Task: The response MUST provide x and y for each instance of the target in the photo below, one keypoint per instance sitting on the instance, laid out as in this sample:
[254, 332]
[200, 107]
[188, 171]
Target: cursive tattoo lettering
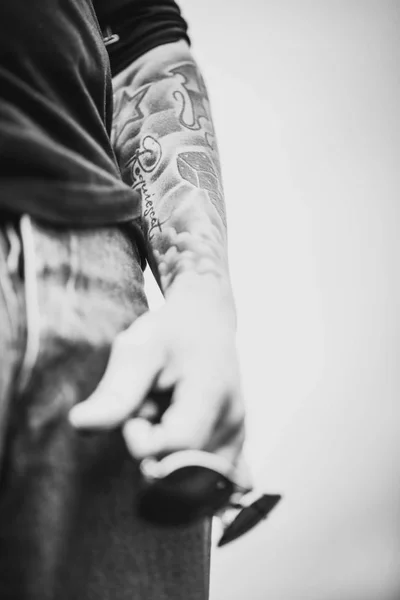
[144, 161]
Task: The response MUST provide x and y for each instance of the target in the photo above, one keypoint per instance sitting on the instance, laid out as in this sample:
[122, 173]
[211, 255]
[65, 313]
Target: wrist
[210, 290]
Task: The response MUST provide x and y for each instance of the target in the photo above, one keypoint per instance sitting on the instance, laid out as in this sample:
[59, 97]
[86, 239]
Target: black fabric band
[139, 26]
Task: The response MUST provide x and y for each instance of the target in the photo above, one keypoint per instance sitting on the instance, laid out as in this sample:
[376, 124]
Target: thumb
[135, 359]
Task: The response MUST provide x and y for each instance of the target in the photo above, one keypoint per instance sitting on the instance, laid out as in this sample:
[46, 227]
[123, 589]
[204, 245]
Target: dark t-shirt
[56, 160]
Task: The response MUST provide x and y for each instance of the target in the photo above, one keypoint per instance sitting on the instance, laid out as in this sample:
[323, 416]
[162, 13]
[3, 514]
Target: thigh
[68, 527]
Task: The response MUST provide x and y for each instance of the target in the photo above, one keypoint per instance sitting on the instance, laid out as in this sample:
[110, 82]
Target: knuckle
[115, 404]
[192, 439]
[237, 418]
[240, 439]
[122, 342]
[141, 336]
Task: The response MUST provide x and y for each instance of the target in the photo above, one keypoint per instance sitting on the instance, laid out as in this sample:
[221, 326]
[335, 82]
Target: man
[87, 195]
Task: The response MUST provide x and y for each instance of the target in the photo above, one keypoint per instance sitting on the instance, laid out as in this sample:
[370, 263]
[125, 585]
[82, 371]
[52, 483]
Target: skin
[165, 144]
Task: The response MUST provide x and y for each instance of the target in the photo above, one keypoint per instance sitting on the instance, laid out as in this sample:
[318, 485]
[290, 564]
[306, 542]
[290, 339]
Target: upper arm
[140, 25]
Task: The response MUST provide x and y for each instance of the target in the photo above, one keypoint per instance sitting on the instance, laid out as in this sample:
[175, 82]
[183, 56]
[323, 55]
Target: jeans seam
[9, 292]
[32, 309]
[5, 296]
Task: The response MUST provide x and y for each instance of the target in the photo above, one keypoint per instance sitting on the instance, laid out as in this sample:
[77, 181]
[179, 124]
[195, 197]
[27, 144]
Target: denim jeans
[68, 527]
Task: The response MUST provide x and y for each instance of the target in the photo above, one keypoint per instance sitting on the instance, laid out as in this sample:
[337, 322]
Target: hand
[187, 345]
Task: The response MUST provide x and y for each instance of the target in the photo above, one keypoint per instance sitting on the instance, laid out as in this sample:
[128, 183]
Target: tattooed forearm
[164, 140]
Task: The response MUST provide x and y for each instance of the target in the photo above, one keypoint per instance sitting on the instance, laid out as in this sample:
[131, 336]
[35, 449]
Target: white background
[306, 103]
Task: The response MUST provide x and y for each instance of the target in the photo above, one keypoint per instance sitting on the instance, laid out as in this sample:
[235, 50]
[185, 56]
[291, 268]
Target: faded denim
[68, 529]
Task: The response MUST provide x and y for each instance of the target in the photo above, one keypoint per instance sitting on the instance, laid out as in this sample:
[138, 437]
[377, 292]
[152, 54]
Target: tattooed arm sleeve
[165, 145]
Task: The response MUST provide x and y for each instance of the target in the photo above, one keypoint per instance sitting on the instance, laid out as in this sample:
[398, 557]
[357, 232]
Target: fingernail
[74, 417]
[79, 414]
[136, 434]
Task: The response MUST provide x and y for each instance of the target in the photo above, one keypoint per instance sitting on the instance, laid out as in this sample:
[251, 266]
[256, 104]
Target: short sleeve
[133, 27]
